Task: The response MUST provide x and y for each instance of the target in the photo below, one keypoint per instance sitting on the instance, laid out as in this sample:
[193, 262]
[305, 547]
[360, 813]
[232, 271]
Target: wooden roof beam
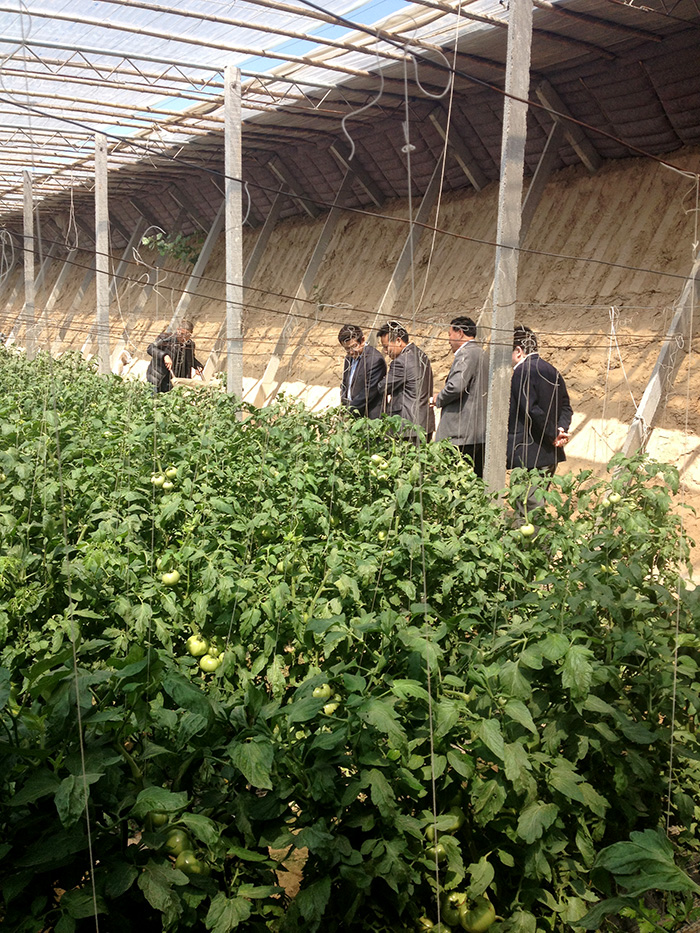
[574, 134]
[283, 175]
[459, 149]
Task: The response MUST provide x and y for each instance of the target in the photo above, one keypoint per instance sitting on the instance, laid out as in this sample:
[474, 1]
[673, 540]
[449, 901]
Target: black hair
[465, 324]
[525, 339]
[394, 331]
[350, 332]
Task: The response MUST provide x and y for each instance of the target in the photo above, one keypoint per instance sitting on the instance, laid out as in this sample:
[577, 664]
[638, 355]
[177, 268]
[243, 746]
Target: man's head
[461, 329]
[393, 337]
[524, 342]
[184, 331]
[352, 340]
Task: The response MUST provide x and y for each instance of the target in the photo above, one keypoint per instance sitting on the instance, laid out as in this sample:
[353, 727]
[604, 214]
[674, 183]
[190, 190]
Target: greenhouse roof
[149, 77]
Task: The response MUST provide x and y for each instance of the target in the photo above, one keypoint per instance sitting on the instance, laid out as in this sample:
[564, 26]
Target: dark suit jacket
[539, 405]
[182, 355]
[408, 387]
[364, 393]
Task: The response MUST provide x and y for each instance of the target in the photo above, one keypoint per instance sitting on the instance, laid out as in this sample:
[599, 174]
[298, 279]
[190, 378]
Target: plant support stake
[234, 232]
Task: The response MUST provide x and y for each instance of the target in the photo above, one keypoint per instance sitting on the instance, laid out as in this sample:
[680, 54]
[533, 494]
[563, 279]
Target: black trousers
[475, 452]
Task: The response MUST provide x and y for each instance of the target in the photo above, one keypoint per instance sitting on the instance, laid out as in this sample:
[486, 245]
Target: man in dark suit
[540, 412]
[172, 355]
[409, 381]
[462, 402]
[363, 370]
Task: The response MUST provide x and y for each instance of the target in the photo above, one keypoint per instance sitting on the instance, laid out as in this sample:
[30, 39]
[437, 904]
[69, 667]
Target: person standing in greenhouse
[540, 413]
[172, 355]
[408, 385]
[363, 370]
[463, 400]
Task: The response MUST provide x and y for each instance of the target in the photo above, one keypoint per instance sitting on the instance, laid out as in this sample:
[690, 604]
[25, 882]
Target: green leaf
[71, 797]
[259, 891]
[311, 901]
[577, 671]
[120, 877]
[39, 784]
[517, 710]
[535, 819]
[160, 799]
[481, 874]
[381, 715]
[303, 710]
[517, 761]
[156, 881]
[489, 731]
[522, 921]
[554, 646]
[645, 863]
[383, 796]
[461, 762]
[80, 904]
[254, 760]
[201, 827]
[226, 913]
[488, 798]
[566, 781]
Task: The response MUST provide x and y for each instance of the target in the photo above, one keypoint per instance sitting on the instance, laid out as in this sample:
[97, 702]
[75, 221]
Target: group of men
[540, 411]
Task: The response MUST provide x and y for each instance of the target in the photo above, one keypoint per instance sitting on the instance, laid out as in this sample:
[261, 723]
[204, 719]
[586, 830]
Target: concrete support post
[102, 253]
[234, 231]
[508, 240]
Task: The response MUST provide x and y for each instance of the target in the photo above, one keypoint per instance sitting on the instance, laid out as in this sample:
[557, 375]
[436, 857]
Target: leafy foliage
[180, 246]
[533, 686]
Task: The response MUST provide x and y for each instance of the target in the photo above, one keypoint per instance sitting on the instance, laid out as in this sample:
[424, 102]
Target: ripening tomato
[170, 579]
[171, 472]
[528, 530]
[197, 646]
[209, 664]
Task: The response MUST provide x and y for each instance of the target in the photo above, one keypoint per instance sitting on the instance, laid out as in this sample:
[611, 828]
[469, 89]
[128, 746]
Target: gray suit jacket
[407, 390]
[463, 400]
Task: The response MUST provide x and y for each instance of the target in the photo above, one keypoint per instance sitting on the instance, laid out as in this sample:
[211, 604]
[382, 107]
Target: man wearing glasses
[409, 381]
[172, 355]
[363, 371]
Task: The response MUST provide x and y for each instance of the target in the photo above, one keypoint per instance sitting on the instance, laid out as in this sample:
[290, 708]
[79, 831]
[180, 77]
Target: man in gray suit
[409, 382]
[463, 400]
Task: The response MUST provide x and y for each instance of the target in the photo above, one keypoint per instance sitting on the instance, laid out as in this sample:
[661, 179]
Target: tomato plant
[514, 706]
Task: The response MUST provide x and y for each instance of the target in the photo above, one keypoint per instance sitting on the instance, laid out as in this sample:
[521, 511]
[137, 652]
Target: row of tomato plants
[237, 642]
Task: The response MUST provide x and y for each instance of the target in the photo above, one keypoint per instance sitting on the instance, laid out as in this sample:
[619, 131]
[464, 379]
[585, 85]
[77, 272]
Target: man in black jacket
[409, 381]
[363, 370]
[172, 355]
[540, 412]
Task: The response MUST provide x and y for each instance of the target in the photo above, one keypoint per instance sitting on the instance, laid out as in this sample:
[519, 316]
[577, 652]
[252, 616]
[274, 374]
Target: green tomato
[171, 472]
[330, 708]
[178, 841]
[170, 579]
[479, 917]
[156, 820]
[167, 486]
[188, 862]
[451, 905]
[2, 477]
[376, 458]
[157, 479]
[324, 692]
[381, 536]
[197, 646]
[423, 924]
[436, 853]
[214, 650]
[614, 497]
[450, 822]
[209, 664]
[528, 530]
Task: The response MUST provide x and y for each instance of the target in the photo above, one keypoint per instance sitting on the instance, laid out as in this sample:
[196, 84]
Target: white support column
[29, 291]
[233, 167]
[508, 239]
[102, 252]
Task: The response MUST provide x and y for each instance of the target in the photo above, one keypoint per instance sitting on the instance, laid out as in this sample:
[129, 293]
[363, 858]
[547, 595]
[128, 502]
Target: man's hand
[168, 362]
[562, 438]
